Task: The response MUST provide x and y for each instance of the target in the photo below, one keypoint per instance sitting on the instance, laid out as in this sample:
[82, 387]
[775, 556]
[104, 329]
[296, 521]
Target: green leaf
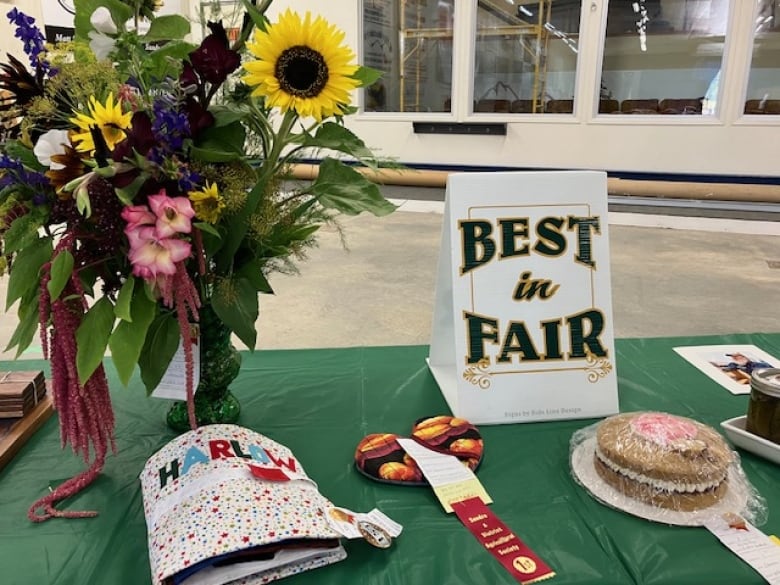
[127, 340]
[210, 155]
[61, 270]
[25, 271]
[252, 271]
[162, 341]
[174, 50]
[120, 13]
[221, 144]
[336, 137]
[170, 27]
[367, 75]
[342, 188]
[258, 17]
[240, 312]
[122, 307]
[127, 194]
[17, 150]
[92, 338]
[22, 233]
[27, 326]
[224, 116]
[207, 227]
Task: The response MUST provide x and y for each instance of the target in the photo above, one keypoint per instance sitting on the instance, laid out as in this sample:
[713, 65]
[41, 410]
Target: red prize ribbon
[521, 562]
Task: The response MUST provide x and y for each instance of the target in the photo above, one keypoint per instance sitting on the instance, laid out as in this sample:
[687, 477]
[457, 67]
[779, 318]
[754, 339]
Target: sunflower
[207, 203]
[302, 65]
[108, 118]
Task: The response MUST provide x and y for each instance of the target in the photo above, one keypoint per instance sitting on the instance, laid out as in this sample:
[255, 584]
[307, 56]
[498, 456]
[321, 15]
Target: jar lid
[766, 381]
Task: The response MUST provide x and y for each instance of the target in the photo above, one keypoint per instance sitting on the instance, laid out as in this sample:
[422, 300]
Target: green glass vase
[220, 363]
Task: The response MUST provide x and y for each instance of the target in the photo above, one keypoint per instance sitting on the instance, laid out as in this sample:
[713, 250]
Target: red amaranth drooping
[85, 412]
[180, 293]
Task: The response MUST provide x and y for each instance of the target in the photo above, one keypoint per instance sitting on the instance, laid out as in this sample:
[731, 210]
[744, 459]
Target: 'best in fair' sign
[522, 326]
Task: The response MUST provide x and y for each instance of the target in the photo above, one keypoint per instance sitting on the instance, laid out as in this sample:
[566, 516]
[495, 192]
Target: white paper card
[173, 385]
[452, 481]
[522, 328]
[729, 365]
[346, 522]
[748, 543]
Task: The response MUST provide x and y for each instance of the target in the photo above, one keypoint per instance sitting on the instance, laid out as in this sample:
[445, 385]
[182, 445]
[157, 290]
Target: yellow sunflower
[207, 203]
[302, 65]
[109, 118]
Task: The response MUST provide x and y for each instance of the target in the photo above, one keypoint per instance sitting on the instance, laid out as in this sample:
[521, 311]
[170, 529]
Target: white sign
[522, 327]
[60, 12]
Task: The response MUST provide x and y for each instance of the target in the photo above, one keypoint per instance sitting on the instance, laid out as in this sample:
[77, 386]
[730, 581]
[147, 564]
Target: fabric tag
[519, 560]
[451, 480]
[173, 385]
[748, 543]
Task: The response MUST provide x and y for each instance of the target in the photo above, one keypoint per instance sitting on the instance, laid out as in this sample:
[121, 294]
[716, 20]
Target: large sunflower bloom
[302, 65]
[109, 118]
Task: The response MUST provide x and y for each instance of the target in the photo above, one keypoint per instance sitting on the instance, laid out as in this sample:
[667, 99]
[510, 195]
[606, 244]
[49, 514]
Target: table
[320, 403]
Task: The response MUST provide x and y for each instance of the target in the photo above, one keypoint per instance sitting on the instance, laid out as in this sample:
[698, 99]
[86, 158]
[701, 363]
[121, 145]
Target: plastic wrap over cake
[663, 467]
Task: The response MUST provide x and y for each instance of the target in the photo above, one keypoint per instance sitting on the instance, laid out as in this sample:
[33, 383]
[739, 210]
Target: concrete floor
[671, 276]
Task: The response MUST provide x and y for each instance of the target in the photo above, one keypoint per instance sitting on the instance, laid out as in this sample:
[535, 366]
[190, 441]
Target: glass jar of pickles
[763, 416]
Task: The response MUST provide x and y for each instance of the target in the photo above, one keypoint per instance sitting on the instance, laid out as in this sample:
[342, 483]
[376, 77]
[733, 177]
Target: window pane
[526, 56]
[663, 56]
[411, 42]
[763, 95]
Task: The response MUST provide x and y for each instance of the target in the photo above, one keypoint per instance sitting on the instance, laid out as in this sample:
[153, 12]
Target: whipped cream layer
[660, 484]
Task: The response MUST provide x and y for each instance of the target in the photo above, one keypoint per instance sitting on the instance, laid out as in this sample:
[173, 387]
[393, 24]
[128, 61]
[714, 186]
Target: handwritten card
[450, 479]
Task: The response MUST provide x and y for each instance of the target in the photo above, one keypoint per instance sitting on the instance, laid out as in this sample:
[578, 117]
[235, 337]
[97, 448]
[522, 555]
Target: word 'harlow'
[220, 449]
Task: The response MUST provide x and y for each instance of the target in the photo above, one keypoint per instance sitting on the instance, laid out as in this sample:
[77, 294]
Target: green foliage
[28, 324]
[61, 271]
[92, 338]
[25, 272]
[160, 344]
[342, 188]
[128, 339]
[235, 303]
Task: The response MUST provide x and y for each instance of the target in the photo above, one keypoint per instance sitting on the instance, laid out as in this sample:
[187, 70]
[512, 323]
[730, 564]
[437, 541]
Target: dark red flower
[139, 138]
[214, 60]
[198, 117]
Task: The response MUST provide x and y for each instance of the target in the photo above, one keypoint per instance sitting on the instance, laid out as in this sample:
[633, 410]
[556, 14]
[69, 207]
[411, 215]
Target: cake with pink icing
[662, 459]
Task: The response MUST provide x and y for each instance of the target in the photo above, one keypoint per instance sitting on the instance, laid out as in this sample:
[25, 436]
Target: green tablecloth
[320, 403]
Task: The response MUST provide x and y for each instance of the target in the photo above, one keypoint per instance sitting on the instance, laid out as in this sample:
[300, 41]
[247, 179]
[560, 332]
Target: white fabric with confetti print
[223, 490]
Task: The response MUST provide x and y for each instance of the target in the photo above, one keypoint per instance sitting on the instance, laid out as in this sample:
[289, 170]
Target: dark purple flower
[15, 173]
[214, 60]
[189, 180]
[170, 126]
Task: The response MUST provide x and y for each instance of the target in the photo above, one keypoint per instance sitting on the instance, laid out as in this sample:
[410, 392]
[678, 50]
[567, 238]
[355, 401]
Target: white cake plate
[736, 500]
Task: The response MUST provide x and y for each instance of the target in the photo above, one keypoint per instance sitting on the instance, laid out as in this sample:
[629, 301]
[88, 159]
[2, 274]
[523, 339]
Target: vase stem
[220, 363]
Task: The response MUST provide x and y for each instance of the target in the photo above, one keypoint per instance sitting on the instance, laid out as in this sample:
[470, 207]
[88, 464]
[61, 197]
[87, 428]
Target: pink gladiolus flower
[136, 216]
[151, 255]
[173, 214]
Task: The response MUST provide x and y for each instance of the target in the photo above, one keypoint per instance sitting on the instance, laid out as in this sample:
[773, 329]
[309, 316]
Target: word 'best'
[514, 239]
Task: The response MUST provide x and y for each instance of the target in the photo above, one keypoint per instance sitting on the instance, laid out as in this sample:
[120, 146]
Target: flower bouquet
[142, 186]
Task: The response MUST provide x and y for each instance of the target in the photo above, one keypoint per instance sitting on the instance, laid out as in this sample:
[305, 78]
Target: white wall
[9, 43]
[726, 144]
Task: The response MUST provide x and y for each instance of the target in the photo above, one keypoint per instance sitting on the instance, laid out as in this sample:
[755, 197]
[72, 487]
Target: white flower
[102, 22]
[51, 143]
[101, 45]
